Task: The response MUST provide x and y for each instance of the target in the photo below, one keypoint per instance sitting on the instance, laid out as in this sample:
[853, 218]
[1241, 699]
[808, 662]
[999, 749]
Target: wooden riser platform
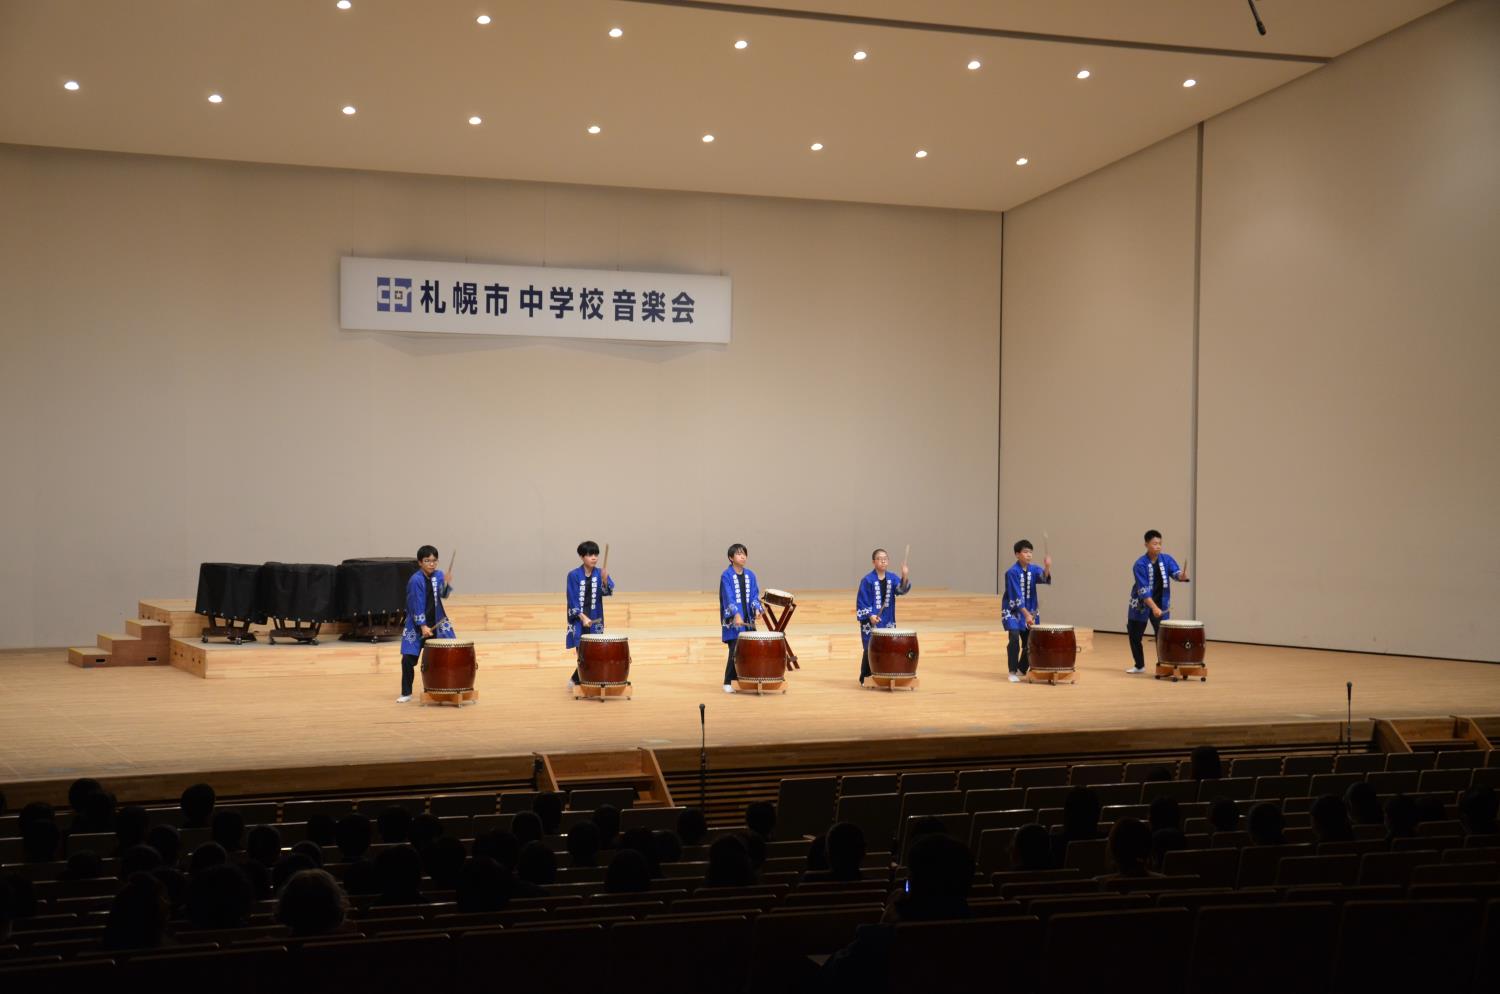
[332, 657]
[473, 613]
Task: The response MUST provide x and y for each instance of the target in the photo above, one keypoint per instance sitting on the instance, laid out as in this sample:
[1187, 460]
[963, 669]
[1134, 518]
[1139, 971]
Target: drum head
[603, 638]
[448, 643]
[1052, 628]
[772, 592]
[895, 632]
[1172, 623]
[767, 636]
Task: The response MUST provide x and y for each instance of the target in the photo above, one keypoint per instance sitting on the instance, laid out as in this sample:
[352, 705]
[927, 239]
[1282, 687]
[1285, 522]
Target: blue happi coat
[1165, 569]
[1020, 591]
[875, 602]
[739, 594]
[586, 600]
[416, 611]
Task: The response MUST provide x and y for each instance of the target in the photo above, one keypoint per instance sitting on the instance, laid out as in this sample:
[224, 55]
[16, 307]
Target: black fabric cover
[298, 591]
[374, 585]
[230, 590]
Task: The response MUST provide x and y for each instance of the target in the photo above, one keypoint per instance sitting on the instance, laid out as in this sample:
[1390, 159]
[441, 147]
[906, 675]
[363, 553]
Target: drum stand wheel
[602, 692]
[1182, 671]
[1052, 677]
[758, 687]
[891, 682]
[452, 698]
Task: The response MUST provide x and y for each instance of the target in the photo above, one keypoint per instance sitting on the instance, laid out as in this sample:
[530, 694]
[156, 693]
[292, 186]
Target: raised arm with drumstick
[1150, 596]
[586, 588]
[1020, 609]
[875, 601]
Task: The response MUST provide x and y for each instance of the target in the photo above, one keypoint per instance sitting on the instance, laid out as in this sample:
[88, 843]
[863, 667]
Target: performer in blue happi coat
[1150, 595]
[1019, 610]
[425, 617]
[875, 602]
[587, 586]
[739, 605]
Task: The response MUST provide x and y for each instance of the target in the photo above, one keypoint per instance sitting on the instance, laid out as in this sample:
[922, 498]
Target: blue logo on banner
[393, 294]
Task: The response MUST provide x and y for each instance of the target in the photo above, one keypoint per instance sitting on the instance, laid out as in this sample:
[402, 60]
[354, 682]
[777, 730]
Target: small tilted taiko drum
[760, 657]
[893, 652]
[604, 660]
[448, 666]
[778, 597]
[1180, 650]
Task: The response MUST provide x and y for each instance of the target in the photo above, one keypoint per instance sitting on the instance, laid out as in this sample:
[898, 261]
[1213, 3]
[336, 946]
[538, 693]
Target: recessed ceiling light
[707, 139]
[594, 129]
[343, 4]
[476, 119]
[817, 146]
[349, 111]
[975, 63]
[921, 153]
[860, 56]
[1190, 83]
[71, 84]
[214, 98]
[1022, 161]
[1083, 74]
[616, 32]
[742, 44]
[482, 19]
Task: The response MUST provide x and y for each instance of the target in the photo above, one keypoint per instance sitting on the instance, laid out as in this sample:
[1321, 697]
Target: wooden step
[88, 657]
[129, 650]
[157, 635]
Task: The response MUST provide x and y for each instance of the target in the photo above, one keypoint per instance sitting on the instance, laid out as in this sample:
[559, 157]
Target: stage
[132, 724]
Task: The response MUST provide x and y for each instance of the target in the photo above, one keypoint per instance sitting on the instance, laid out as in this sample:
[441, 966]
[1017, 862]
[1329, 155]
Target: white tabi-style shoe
[728, 689]
[1015, 678]
[404, 698]
[1135, 669]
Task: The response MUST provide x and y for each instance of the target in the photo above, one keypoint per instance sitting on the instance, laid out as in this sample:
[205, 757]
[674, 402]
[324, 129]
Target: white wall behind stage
[177, 388]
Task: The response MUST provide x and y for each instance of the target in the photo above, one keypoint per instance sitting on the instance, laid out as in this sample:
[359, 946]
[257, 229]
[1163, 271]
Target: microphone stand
[1349, 717]
[702, 761]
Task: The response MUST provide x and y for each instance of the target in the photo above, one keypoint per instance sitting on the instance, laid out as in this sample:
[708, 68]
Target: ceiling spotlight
[707, 139]
[1189, 83]
[349, 111]
[71, 84]
[214, 98]
[1022, 161]
[476, 119]
[616, 32]
[594, 129]
[1083, 74]
[742, 44]
[344, 4]
[482, 19]
[817, 146]
[921, 153]
[975, 63]
[860, 56]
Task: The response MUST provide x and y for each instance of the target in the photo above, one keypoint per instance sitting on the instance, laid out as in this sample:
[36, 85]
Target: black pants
[729, 673]
[1018, 651]
[1136, 629]
[579, 650]
[408, 672]
[864, 664]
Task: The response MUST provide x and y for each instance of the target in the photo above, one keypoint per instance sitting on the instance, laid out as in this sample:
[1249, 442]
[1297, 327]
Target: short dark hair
[228, 829]
[425, 551]
[527, 826]
[588, 547]
[1205, 763]
[1023, 544]
[81, 788]
[219, 897]
[583, 844]
[876, 553]
[536, 864]
[312, 903]
[352, 835]
[760, 818]
[1130, 843]
[628, 873]
[197, 804]
[1153, 533]
[692, 826]
[737, 547]
[1266, 824]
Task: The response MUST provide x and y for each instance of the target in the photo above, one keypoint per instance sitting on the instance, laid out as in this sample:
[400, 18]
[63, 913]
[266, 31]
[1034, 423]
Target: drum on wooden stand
[894, 655]
[771, 600]
[1052, 651]
[760, 662]
[603, 667]
[1180, 650]
[448, 670]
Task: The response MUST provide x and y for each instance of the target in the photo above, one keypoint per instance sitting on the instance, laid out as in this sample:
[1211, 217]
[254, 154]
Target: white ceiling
[544, 70]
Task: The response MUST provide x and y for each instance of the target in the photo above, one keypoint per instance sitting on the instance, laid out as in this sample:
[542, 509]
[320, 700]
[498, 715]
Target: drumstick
[604, 566]
[452, 558]
[1046, 553]
[906, 556]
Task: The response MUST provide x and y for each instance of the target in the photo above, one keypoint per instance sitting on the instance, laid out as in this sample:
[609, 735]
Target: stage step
[636, 768]
[131, 650]
[88, 657]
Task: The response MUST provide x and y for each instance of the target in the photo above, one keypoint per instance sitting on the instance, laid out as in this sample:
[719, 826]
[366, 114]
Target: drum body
[604, 660]
[1180, 643]
[298, 591]
[448, 666]
[231, 591]
[1052, 647]
[760, 656]
[893, 652]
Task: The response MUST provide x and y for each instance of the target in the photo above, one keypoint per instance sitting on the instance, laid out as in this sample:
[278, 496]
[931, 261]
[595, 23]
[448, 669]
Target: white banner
[463, 298]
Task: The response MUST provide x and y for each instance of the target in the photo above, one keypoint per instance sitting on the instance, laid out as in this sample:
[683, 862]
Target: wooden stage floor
[58, 721]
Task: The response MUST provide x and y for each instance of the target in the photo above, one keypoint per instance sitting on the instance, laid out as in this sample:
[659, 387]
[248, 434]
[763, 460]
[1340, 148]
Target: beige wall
[173, 353]
[1350, 347]
[1349, 340]
[1096, 361]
